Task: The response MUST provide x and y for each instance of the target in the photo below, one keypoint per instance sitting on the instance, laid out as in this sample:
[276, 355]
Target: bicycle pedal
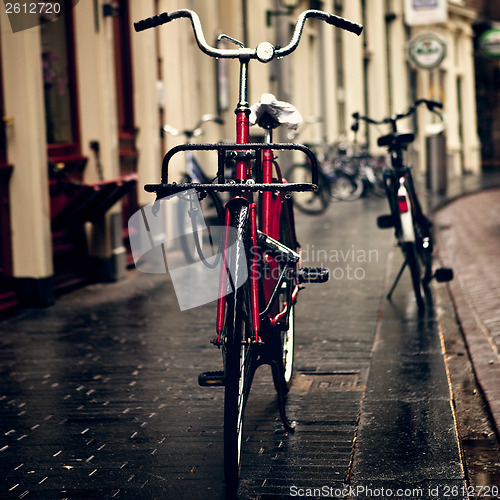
[385, 221]
[211, 379]
[313, 275]
[443, 274]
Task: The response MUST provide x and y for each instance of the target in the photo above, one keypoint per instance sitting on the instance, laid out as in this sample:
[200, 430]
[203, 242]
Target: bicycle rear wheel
[287, 344]
[424, 246]
[237, 355]
[287, 337]
[309, 202]
[412, 258]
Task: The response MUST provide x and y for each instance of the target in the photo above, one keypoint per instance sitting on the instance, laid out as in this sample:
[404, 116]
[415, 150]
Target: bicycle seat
[396, 139]
[270, 113]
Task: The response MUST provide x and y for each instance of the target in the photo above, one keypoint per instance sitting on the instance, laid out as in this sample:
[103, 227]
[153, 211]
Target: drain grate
[327, 381]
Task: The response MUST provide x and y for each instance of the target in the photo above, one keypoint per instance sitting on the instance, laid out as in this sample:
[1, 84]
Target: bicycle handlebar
[432, 106]
[265, 51]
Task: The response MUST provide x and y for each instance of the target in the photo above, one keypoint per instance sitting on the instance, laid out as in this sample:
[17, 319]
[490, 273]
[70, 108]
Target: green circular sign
[489, 42]
[427, 50]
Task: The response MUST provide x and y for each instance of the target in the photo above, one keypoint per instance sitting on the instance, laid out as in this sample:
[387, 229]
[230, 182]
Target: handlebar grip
[153, 22]
[435, 104]
[430, 104]
[343, 23]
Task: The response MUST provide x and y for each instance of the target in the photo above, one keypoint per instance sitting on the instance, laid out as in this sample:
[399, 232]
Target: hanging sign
[489, 42]
[427, 50]
[418, 12]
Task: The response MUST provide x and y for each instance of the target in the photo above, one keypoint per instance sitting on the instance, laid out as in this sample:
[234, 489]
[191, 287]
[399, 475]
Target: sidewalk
[468, 238]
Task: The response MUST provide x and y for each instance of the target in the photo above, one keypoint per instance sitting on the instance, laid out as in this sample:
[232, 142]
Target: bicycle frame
[245, 183]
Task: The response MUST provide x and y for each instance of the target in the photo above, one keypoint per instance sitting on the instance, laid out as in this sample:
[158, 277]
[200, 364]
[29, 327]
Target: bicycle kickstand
[398, 277]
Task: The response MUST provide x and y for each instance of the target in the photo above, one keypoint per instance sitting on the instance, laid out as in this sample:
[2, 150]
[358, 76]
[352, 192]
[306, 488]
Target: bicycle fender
[236, 202]
[407, 231]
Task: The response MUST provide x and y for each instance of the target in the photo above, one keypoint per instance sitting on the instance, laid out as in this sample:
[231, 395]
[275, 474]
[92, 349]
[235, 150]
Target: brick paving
[99, 395]
[469, 241]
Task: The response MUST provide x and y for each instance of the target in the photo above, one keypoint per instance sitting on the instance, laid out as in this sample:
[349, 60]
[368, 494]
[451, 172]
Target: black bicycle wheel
[237, 384]
[287, 344]
[196, 240]
[237, 354]
[411, 253]
[425, 246]
[287, 337]
[346, 187]
[309, 202]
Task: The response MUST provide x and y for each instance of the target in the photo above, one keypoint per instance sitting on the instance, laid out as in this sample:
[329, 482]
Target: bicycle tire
[425, 247]
[237, 357]
[287, 345]
[412, 258]
[280, 346]
[287, 337]
[213, 215]
[346, 188]
[309, 202]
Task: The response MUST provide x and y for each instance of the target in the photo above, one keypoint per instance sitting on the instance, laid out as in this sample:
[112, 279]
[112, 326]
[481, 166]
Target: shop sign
[419, 12]
[489, 42]
[427, 51]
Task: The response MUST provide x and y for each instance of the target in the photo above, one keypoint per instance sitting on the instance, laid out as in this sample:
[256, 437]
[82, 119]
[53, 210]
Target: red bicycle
[259, 248]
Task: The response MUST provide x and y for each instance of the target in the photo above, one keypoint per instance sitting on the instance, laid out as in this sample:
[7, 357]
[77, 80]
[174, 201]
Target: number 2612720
[33, 7]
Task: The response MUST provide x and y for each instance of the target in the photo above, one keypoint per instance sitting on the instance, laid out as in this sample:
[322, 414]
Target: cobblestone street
[99, 395]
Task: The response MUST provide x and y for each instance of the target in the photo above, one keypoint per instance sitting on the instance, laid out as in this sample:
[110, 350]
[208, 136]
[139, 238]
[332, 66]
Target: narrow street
[99, 395]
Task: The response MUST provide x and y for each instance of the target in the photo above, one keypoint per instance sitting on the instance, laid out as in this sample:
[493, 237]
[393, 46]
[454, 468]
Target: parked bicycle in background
[412, 228]
[212, 205]
[347, 172]
[366, 167]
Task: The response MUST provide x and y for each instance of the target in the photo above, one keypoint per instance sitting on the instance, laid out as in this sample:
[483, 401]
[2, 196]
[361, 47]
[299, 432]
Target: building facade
[488, 83]
[84, 97]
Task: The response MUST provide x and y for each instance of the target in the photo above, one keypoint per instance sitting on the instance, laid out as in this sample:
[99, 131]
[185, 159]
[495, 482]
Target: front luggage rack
[162, 190]
[224, 153]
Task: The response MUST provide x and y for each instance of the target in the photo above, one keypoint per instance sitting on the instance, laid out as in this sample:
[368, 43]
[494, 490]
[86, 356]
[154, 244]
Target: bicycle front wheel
[237, 385]
[309, 202]
[237, 355]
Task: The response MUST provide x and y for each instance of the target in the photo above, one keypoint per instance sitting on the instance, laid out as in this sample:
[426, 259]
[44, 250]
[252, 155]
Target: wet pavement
[476, 291]
[99, 395]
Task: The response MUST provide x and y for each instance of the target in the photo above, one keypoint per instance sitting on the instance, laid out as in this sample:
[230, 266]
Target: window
[121, 26]
[59, 83]
[339, 60]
